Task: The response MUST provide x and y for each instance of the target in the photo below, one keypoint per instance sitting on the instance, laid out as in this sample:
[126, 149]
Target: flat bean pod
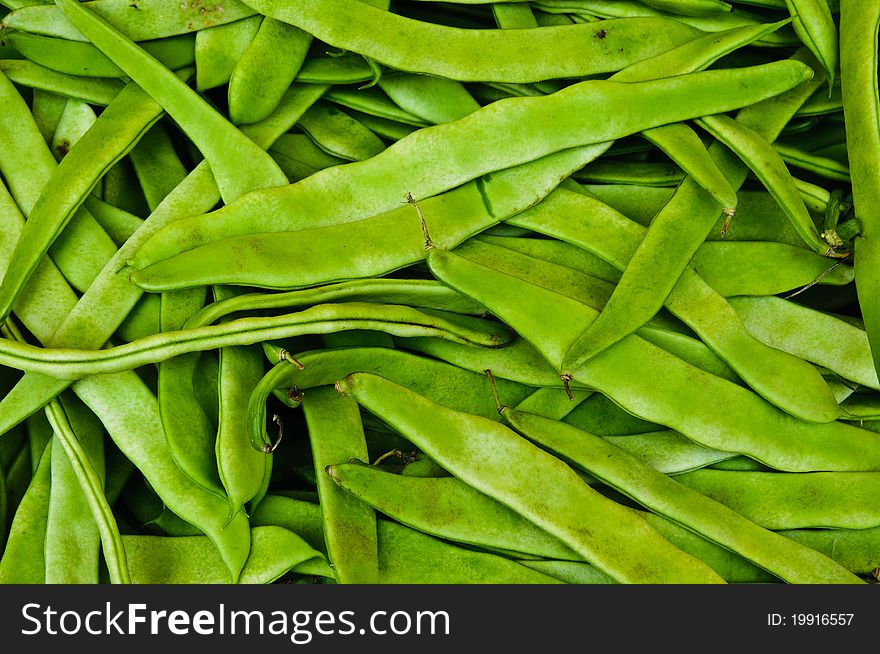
[859, 56]
[451, 437]
[237, 163]
[382, 243]
[778, 501]
[448, 508]
[337, 434]
[468, 55]
[665, 382]
[127, 118]
[418, 293]
[791, 562]
[501, 135]
[150, 19]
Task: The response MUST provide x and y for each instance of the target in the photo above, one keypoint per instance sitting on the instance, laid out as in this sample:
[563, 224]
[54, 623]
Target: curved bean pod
[813, 335]
[859, 22]
[127, 118]
[94, 91]
[409, 557]
[776, 500]
[448, 508]
[337, 434]
[150, 19]
[65, 363]
[22, 561]
[192, 559]
[237, 163]
[501, 135]
[665, 383]
[385, 242]
[451, 438]
[254, 91]
[757, 153]
[469, 55]
[417, 293]
[84, 59]
[789, 561]
[814, 25]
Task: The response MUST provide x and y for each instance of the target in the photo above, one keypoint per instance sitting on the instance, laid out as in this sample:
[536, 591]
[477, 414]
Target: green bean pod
[218, 49]
[665, 384]
[84, 59]
[149, 19]
[450, 437]
[121, 125]
[23, 561]
[192, 559]
[237, 164]
[479, 55]
[696, 302]
[417, 293]
[337, 434]
[859, 22]
[99, 91]
[68, 363]
[447, 508]
[777, 500]
[501, 135]
[72, 536]
[814, 25]
[385, 242]
[266, 70]
[787, 560]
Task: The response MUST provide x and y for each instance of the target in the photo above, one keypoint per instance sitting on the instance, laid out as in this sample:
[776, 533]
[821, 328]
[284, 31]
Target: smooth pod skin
[265, 70]
[237, 163]
[814, 25]
[84, 59]
[409, 557]
[479, 55]
[337, 434]
[338, 134]
[447, 508]
[99, 91]
[369, 247]
[193, 560]
[815, 336]
[22, 561]
[243, 471]
[151, 19]
[69, 363]
[90, 322]
[778, 501]
[707, 409]
[504, 134]
[768, 166]
[433, 99]
[685, 148]
[219, 48]
[130, 414]
[859, 25]
[463, 390]
[32, 174]
[695, 302]
[672, 239]
[790, 562]
[449, 437]
[72, 537]
[418, 293]
[92, 486]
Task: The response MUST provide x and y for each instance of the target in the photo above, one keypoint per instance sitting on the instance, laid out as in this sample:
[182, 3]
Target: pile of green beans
[413, 292]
